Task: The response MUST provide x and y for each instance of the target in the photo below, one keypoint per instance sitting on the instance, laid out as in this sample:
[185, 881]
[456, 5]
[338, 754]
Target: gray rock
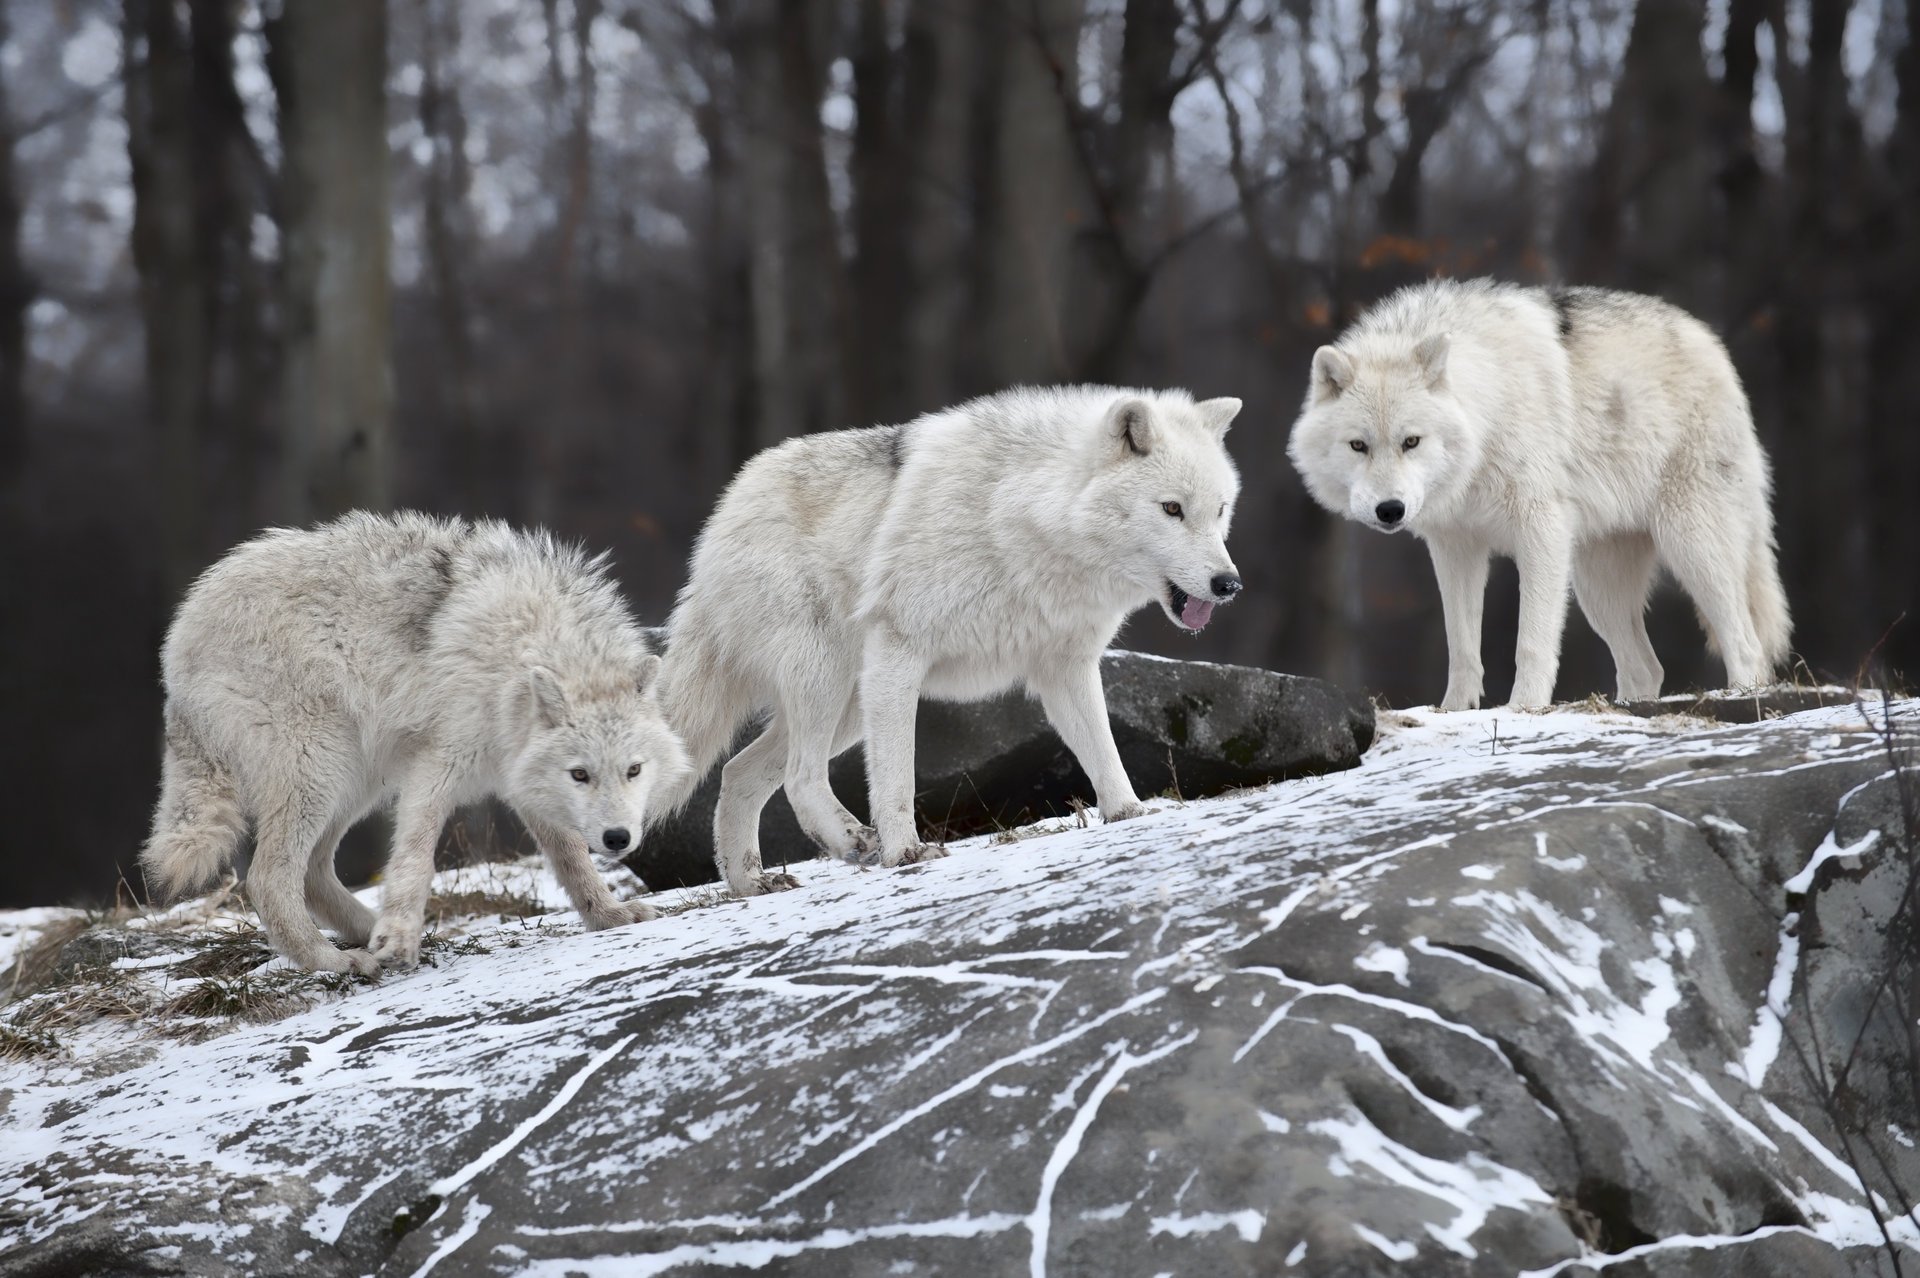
[1183, 727]
[1495, 1001]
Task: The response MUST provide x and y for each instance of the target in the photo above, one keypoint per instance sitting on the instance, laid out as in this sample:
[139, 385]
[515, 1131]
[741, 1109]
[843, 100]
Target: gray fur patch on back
[886, 444]
[431, 596]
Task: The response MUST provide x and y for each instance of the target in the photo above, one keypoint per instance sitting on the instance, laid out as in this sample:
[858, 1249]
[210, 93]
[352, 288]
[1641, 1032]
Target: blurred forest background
[571, 262]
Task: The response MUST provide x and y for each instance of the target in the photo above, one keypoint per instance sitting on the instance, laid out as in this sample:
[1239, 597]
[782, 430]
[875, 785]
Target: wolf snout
[1390, 512]
[616, 839]
[1225, 585]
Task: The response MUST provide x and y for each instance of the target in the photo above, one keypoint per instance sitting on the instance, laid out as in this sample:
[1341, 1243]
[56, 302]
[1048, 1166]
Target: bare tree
[941, 74]
[797, 279]
[446, 226]
[328, 63]
[16, 294]
[177, 297]
[1035, 197]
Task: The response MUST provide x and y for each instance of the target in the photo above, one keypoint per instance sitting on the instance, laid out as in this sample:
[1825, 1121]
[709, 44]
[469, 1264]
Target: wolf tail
[199, 823]
[1766, 598]
[702, 701]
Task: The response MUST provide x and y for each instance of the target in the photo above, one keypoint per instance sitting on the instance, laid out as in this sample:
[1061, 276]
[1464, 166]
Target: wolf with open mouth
[997, 544]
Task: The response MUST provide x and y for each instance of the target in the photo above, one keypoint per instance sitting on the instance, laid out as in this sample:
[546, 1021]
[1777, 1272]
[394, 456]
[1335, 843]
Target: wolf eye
[1410, 443]
[1173, 508]
[579, 774]
[1357, 445]
[633, 771]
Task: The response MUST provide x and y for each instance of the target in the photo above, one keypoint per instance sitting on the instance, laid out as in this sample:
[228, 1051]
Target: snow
[190, 1103]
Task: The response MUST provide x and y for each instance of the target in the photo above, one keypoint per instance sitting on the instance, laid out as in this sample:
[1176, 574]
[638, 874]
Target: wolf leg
[327, 898]
[275, 887]
[1076, 706]
[1460, 566]
[1545, 559]
[818, 730]
[408, 877]
[890, 678]
[567, 854]
[1611, 577]
[746, 783]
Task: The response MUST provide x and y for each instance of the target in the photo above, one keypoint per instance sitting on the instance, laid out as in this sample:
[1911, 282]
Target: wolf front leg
[408, 878]
[891, 673]
[1460, 566]
[1076, 704]
[566, 852]
[1544, 556]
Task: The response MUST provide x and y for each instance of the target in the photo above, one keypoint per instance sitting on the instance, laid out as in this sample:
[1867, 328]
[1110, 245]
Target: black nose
[1390, 511]
[616, 839]
[1226, 585]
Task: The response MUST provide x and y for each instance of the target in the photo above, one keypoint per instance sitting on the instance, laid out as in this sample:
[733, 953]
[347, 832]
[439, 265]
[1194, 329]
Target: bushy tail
[199, 823]
[702, 702]
[1766, 598]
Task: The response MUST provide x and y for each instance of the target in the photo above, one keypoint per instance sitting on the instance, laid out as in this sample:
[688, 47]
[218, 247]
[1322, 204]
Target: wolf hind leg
[1709, 556]
[275, 886]
[746, 783]
[817, 731]
[327, 898]
[1611, 577]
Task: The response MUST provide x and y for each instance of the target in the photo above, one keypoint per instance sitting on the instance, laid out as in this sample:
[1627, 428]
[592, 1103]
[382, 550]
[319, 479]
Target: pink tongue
[1196, 614]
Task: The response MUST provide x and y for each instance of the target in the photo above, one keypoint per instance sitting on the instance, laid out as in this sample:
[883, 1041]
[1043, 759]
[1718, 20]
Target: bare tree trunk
[447, 233]
[16, 294]
[329, 69]
[176, 301]
[1654, 168]
[798, 282]
[1821, 355]
[1894, 535]
[942, 69]
[881, 276]
[1030, 218]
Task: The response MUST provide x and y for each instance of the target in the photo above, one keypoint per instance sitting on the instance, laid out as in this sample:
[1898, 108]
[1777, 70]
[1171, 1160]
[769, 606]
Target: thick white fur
[312, 675]
[844, 575]
[1591, 435]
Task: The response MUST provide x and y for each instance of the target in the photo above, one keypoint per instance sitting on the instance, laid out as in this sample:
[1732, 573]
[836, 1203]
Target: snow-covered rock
[1190, 727]
[1521, 993]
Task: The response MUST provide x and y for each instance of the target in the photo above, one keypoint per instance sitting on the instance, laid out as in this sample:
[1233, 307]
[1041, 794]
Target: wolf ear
[1431, 354]
[1332, 372]
[1130, 422]
[1218, 414]
[549, 700]
[647, 676]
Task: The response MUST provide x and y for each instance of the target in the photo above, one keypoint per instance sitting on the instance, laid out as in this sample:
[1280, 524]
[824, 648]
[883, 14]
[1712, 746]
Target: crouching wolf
[1590, 435]
[845, 574]
[313, 675]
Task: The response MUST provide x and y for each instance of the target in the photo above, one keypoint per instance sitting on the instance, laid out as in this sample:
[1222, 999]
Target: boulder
[1534, 994]
[1185, 729]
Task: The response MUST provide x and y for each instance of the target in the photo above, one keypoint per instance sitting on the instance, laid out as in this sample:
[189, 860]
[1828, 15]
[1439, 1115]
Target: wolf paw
[1123, 812]
[349, 963]
[863, 848]
[921, 853]
[1461, 697]
[394, 945]
[620, 915]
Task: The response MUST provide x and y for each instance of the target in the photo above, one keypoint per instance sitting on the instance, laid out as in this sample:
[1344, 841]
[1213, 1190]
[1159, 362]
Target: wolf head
[594, 755]
[1165, 495]
[1382, 436]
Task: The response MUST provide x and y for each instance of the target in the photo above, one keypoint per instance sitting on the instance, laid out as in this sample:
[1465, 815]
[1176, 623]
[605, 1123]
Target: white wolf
[999, 543]
[312, 675]
[1589, 434]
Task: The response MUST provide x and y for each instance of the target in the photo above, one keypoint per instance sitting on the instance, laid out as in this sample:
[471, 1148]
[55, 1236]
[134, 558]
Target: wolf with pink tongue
[845, 575]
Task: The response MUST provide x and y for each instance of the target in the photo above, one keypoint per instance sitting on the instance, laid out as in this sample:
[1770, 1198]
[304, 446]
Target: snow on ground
[482, 1025]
